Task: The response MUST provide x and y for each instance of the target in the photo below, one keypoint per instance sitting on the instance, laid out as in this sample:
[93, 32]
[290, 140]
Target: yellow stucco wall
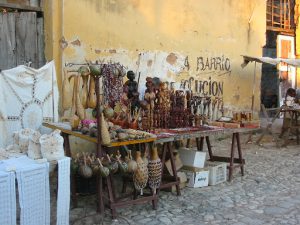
[142, 35]
[297, 44]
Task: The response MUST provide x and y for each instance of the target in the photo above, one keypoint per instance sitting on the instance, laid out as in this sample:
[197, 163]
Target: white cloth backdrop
[28, 97]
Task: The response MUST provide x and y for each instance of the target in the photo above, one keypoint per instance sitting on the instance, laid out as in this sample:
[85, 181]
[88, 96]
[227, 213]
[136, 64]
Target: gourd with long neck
[155, 170]
[66, 92]
[79, 108]
[92, 98]
[84, 91]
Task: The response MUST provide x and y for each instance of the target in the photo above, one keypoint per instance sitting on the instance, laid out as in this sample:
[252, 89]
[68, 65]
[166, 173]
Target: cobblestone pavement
[269, 193]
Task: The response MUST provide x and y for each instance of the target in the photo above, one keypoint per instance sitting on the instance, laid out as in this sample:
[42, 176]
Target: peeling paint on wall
[175, 40]
[76, 43]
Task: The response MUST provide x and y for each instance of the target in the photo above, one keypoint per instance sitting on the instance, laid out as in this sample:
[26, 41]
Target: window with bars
[280, 15]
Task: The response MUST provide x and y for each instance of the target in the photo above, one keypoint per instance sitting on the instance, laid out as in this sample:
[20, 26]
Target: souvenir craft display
[155, 170]
[84, 89]
[112, 83]
[140, 175]
[148, 105]
[206, 109]
[112, 133]
[132, 90]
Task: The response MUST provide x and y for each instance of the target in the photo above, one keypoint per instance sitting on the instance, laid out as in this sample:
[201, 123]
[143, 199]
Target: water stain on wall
[112, 6]
[171, 58]
[76, 43]
[63, 43]
[149, 62]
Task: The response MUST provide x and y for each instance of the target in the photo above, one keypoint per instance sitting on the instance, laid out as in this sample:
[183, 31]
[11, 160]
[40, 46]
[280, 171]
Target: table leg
[200, 143]
[73, 176]
[211, 157]
[111, 196]
[174, 168]
[163, 160]
[188, 143]
[286, 139]
[67, 145]
[297, 128]
[240, 152]
[175, 181]
[232, 156]
[100, 204]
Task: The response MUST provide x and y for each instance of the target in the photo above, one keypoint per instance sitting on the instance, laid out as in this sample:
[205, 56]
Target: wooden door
[21, 39]
[286, 50]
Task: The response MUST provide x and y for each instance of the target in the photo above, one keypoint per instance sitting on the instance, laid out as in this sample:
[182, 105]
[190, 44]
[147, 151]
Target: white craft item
[34, 194]
[8, 198]
[34, 148]
[14, 151]
[24, 137]
[3, 154]
[63, 196]
[16, 138]
[52, 146]
[28, 98]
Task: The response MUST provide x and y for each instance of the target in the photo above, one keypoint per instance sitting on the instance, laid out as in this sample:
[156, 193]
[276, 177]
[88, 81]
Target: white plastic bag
[52, 146]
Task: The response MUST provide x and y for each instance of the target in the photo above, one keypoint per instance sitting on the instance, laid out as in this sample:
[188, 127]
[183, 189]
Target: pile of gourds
[88, 165]
[112, 132]
[145, 171]
[83, 94]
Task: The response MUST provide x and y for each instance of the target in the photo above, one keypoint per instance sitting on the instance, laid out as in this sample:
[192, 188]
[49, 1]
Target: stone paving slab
[269, 193]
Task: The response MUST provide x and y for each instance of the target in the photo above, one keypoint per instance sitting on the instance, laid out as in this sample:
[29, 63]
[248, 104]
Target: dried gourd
[122, 165]
[132, 165]
[112, 165]
[103, 171]
[85, 170]
[84, 91]
[95, 70]
[155, 170]
[79, 108]
[92, 97]
[66, 92]
[74, 166]
[140, 175]
[105, 136]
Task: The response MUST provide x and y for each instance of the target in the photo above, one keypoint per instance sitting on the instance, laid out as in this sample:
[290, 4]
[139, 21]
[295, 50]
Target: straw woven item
[140, 176]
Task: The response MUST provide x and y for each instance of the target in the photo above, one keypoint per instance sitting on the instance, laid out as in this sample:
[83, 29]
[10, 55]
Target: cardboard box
[191, 157]
[178, 164]
[217, 172]
[196, 177]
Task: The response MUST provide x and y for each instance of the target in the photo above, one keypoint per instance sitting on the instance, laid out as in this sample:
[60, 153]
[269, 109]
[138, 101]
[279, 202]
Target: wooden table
[294, 114]
[199, 135]
[202, 135]
[114, 203]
